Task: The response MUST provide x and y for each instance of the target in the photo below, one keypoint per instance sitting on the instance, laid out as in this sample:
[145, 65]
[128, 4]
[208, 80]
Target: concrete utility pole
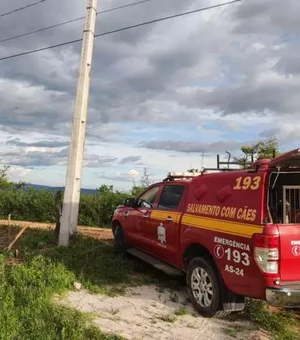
[69, 218]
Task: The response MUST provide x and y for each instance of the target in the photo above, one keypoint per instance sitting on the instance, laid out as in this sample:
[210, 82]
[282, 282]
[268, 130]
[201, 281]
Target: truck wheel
[119, 240]
[204, 288]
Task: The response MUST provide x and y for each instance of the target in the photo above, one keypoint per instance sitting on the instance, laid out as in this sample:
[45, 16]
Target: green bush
[39, 205]
[29, 204]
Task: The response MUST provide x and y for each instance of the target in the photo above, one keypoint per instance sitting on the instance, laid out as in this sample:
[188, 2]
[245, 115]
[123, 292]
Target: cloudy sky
[161, 95]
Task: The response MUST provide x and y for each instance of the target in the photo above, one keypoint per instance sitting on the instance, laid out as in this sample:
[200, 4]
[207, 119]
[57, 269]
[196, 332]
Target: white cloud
[233, 72]
[133, 173]
[18, 173]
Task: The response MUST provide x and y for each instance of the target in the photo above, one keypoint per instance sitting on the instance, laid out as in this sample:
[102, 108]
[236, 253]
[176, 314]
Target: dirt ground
[147, 313]
[98, 233]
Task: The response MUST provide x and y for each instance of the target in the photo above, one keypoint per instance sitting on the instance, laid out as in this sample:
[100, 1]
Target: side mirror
[129, 202]
[146, 205]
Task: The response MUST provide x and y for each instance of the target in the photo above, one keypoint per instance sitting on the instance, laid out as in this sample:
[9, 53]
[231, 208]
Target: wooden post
[58, 212]
[17, 237]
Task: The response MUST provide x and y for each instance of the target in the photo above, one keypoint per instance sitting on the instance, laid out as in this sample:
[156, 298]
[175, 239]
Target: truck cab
[232, 233]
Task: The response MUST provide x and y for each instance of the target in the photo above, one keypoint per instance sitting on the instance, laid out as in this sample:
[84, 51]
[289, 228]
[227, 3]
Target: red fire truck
[233, 233]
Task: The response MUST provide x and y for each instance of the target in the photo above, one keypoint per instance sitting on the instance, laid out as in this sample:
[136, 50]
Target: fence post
[58, 211]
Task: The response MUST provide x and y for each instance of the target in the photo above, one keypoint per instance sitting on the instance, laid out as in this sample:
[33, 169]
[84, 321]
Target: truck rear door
[289, 252]
[289, 231]
[284, 203]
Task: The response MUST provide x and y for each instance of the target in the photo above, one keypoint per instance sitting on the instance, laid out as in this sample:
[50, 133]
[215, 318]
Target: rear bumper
[283, 297]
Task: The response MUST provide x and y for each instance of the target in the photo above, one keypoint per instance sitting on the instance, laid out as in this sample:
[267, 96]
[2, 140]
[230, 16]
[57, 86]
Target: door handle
[169, 219]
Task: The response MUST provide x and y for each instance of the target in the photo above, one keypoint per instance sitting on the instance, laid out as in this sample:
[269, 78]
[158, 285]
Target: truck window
[148, 197]
[284, 198]
[170, 197]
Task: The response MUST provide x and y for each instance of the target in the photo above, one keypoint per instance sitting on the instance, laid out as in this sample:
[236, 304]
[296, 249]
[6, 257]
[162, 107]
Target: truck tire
[119, 240]
[205, 288]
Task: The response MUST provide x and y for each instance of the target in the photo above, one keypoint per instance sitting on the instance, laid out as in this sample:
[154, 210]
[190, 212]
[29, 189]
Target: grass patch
[233, 331]
[27, 310]
[280, 324]
[29, 282]
[92, 262]
[181, 311]
[41, 270]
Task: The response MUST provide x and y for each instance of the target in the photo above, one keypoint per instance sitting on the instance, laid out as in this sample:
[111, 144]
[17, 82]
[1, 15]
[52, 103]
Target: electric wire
[21, 8]
[123, 29]
[72, 20]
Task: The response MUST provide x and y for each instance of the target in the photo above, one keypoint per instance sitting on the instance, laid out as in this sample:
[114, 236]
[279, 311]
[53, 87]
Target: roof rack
[189, 175]
[228, 163]
[245, 166]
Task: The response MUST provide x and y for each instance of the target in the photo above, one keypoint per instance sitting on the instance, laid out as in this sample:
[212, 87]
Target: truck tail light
[266, 252]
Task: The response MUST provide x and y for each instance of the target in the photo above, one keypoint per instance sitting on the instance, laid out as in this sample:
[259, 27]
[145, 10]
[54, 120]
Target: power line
[40, 30]
[21, 8]
[41, 49]
[73, 20]
[124, 6]
[123, 29]
[166, 18]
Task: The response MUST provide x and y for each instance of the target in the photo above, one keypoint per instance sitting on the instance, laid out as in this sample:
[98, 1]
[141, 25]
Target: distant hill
[55, 189]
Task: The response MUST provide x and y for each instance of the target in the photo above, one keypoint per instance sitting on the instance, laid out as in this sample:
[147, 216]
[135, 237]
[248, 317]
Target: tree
[266, 149]
[104, 203]
[262, 149]
[146, 180]
[136, 190]
[4, 182]
[20, 186]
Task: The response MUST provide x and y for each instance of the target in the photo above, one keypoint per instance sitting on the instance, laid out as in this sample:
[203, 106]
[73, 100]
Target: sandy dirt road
[98, 233]
[147, 313]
